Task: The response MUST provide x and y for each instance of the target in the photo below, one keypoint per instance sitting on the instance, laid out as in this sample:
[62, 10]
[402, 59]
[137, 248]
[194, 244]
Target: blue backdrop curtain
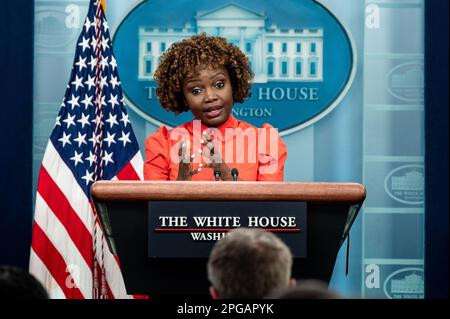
[16, 193]
[16, 58]
[436, 155]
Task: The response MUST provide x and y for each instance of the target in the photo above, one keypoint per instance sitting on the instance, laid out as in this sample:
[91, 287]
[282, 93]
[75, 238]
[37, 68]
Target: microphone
[234, 174]
[217, 173]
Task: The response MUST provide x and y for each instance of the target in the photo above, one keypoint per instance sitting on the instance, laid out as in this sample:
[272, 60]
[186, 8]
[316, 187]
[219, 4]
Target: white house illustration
[411, 181]
[275, 54]
[409, 79]
[410, 284]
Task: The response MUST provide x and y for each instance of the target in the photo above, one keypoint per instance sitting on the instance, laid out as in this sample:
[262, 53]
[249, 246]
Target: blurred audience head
[249, 263]
[16, 283]
[306, 289]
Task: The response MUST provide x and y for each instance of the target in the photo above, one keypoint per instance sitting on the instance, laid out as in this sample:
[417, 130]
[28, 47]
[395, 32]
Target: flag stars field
[125, 138]
[84, 43]
[110, 139]
[65, 139]
[81, 63]
[114, 81]
[87, 101]
[107, 157]
[77, 158]
[81, 139]
[69, 120]
[125, 119]
[84, 120]
[88, 177]
[113, 100]
[112, 120]
[90, 81]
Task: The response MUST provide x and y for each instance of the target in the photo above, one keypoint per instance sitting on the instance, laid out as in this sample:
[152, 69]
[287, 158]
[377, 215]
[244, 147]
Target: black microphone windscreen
[234, 173]
[217, 173]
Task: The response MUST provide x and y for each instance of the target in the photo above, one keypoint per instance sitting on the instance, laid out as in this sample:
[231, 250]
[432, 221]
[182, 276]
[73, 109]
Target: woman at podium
[206, 76]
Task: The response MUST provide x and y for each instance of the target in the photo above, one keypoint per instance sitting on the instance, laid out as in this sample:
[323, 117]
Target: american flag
[92, 140]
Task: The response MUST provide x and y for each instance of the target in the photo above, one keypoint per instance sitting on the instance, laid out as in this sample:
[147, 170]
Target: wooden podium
[123, 208]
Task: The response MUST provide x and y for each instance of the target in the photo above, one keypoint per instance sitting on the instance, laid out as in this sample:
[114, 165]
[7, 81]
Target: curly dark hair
[183, 59]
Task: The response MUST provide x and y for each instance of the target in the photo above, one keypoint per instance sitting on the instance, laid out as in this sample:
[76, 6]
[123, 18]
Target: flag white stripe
[40, 271]
[68, 185]
[138, 164]
[58, 236]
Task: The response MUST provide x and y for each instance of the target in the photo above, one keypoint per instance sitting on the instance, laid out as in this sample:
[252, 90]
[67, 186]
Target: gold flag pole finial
[103, 5]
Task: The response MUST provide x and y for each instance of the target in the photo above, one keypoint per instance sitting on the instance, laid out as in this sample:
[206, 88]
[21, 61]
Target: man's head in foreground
[249, 263]
[16, 283]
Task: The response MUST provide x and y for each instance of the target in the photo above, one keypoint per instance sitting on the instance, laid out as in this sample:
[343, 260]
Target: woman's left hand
[215, 158]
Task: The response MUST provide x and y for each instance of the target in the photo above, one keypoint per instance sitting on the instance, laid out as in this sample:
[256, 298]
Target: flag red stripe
[128, 173]
[54, 262]
[60, 206]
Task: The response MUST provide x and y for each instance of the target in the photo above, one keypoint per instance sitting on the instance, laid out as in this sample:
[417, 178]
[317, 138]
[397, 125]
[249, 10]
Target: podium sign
[185, 229]
[160, 262]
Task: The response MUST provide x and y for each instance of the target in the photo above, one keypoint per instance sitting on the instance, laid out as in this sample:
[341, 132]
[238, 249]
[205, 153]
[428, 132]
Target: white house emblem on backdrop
[302, 56]
[275, 54]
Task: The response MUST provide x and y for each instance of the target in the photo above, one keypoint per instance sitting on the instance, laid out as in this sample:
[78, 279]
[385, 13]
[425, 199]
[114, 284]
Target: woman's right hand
[185, 171]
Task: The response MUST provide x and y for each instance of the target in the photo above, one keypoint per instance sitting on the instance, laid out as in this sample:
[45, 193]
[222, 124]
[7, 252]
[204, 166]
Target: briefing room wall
[348, 144]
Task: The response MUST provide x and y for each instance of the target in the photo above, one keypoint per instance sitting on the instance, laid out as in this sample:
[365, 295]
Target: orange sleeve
[156, 165]
[272, 157]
